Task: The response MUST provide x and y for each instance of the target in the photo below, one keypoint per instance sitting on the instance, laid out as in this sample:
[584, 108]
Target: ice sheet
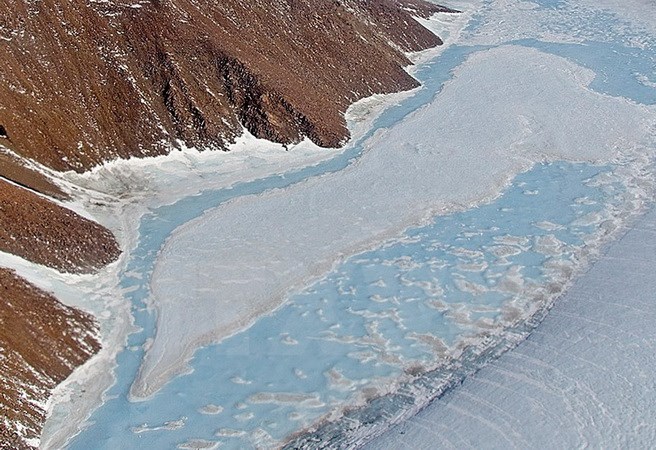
[218, 273]
[583, 379]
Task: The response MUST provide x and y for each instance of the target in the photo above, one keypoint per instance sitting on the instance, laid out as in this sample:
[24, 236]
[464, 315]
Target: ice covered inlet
[275, 242]
[249, 410]
[380, 314]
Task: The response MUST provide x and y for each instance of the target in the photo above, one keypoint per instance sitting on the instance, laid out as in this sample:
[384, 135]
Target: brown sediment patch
[86, 82]
[43, 232]
[41, 343]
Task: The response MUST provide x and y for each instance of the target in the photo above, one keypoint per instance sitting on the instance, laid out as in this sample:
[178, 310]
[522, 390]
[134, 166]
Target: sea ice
[505, 109]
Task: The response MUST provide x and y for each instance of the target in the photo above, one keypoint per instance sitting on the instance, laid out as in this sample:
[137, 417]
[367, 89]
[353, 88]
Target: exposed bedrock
[85, 82]
[41, 343]
[45, 233]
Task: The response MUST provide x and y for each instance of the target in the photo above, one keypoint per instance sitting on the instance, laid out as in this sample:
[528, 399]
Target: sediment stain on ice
[583, 379]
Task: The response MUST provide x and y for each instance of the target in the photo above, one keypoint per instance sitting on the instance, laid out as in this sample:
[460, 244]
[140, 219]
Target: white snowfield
[504, 110]
[583, 379]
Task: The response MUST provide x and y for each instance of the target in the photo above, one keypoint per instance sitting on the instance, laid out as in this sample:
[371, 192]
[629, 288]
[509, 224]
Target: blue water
[380, 312]
[553, 4]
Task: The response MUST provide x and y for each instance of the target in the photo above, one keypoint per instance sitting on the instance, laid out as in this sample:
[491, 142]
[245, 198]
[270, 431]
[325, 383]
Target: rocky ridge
[46, 233]
[88, 82]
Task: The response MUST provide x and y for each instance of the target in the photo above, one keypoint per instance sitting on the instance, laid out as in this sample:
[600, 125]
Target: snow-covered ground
[583, 379]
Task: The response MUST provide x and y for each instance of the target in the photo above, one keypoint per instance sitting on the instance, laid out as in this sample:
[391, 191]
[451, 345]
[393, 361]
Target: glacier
[584, 378]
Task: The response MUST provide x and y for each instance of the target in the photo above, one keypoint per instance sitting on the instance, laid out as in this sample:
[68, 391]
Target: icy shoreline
[110, 198]
[119, 193]
[579, 74]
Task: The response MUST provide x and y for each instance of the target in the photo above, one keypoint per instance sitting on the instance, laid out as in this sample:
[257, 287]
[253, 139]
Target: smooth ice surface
[584, 378]
[505, 109]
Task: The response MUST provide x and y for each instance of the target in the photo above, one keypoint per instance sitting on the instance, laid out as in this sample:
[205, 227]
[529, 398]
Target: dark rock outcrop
[13, 168]
[85, 82]
[43, 232]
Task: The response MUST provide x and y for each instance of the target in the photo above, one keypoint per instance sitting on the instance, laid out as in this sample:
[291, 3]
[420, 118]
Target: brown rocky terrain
[83, 82]
[41, 343]
[14, 169]
[45, 233]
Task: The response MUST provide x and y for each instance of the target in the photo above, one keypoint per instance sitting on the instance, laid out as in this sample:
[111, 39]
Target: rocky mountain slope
[41, 342]
[91, 81]
[84, 82]
[45, 233]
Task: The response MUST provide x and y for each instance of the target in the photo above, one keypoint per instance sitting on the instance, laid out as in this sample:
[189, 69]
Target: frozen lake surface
[383, 276]
[273, 243]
